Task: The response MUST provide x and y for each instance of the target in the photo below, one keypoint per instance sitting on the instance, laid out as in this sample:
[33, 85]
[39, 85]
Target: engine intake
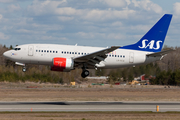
[62, 64]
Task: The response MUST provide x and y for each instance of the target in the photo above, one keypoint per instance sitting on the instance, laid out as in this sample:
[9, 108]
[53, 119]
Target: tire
[82, 75]
[24, 69]
[85, 73]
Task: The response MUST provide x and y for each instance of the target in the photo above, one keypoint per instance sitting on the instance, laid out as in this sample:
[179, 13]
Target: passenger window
[41, 50]
[82, 53]
[67, 52]
[50, 51]
[36, 50]
[47, 51]
[62, 52]
[44, 50]
[79, 53]
[56, 51]
[115, 55]
[53, 51]
[109, 55]
[72, 52]
[123, 56]
[112, 55]
[75, 52]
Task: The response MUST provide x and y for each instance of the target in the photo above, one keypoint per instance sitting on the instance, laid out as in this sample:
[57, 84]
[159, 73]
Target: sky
[98, 23]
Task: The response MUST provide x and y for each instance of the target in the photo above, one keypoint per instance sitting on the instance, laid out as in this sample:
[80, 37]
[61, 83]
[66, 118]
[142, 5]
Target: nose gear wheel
[24, 69]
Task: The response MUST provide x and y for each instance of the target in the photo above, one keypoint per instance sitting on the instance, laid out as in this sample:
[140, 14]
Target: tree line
[166, 71]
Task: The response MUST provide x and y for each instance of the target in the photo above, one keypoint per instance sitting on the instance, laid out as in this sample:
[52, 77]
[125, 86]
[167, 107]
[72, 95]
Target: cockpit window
[17, 49]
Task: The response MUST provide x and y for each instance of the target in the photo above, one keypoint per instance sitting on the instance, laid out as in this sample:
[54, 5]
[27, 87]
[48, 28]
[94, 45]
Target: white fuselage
[43, 54]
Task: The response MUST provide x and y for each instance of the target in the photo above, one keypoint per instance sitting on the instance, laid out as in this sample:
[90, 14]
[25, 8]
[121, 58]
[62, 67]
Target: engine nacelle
[62, 64]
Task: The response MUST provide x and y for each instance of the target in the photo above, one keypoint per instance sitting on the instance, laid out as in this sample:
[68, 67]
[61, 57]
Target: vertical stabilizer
[153, 40]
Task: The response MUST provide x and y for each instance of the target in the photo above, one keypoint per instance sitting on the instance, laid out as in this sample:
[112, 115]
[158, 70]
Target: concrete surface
[89, 106]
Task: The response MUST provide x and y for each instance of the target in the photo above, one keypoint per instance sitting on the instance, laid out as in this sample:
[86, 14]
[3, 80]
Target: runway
[89, 106]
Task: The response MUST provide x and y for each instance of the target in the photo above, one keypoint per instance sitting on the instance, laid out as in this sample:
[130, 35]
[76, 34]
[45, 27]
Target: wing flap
[96, 57]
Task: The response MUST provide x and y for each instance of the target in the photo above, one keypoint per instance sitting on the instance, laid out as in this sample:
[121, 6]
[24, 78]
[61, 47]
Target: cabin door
[30, 50]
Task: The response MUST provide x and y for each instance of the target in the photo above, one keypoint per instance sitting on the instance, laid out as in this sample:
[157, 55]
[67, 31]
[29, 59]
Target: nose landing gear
[24, 69]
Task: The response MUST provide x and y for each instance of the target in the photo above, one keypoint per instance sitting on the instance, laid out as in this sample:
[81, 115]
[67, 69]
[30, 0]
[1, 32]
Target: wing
[160, 53]
[95, 57]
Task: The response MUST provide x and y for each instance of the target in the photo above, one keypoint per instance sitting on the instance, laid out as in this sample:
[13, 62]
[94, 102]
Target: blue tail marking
[153, 40]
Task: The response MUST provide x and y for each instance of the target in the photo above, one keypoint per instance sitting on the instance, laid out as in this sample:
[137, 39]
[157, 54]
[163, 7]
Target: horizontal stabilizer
[160, 53]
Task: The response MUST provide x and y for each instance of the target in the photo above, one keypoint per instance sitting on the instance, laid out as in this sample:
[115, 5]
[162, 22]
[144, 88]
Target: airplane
[65, 58]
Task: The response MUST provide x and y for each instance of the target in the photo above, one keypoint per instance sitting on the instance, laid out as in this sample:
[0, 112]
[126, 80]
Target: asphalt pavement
[76, 106]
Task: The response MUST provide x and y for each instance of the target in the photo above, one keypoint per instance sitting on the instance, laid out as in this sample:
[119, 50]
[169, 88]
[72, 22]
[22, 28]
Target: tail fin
[153, 40]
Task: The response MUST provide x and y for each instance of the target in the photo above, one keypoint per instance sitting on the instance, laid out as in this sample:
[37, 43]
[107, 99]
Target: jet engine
[62, 64]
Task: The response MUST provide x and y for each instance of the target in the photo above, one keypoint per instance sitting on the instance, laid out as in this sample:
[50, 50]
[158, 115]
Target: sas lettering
[150, 44]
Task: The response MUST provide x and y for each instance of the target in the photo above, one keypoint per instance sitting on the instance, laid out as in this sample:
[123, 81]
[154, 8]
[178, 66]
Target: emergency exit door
[131, 57]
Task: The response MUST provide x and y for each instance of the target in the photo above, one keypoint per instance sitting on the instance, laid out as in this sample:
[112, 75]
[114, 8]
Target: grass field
[53, 92]
[89, 116]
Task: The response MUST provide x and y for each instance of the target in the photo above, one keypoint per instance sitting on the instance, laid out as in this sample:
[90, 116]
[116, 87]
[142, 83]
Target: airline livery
[65, 58]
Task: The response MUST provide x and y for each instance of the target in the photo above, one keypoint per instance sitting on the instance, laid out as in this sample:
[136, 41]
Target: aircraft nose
[6, 54]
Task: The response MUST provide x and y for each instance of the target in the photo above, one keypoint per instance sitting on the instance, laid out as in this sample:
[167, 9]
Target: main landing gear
[84, 73]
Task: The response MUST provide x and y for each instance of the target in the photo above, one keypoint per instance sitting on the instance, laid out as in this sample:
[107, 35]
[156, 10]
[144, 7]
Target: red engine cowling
[62, 64]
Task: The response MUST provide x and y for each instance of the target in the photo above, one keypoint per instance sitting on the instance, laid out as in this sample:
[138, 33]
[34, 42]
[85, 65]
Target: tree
[130, 77]
[177, 77]
[124, 74]
[100, 72]
[11, 47]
